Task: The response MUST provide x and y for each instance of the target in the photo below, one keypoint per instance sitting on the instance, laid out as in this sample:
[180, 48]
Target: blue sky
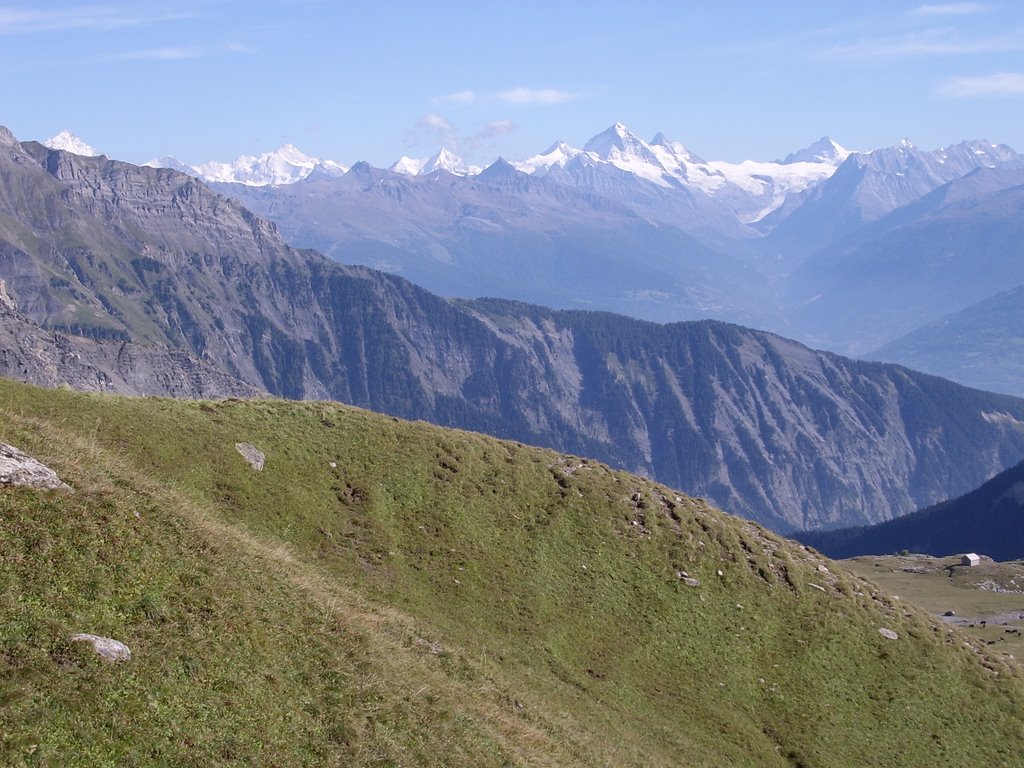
[372, 81]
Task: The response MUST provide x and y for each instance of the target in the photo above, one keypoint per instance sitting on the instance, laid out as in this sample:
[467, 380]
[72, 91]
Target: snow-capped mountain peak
[673, 156]
[410, 166]
[555, 156]
[285, 165]
[625, 150]
[988, 154]
[448, 161]
[166, 161]
[442, 160]
[824, 150]
[619, 141]
[68, 142]
[675, 147]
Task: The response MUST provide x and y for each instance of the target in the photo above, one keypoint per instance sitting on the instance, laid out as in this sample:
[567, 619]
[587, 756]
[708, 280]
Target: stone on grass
[251, 454]
[108, 648]
[17, 468]
[888, 634]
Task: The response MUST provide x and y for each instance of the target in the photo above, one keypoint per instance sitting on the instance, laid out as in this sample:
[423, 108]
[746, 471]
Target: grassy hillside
[391, 593]
[986, 600]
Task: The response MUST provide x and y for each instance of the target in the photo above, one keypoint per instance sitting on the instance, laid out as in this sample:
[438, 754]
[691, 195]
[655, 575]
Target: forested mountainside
[988, 520]
[981, 346]
[953, 248]
[762, 426]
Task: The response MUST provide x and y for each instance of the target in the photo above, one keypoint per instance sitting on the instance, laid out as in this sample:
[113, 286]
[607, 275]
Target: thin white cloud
[951, 9]
[491, 131]
[19, 21]
[436, 122]
[933, 42]
[497, 128]
[536, 96]
[178, 53]
[238, 48]
[1001, 84]
[459, 97]
[157, 54]
[432, 129]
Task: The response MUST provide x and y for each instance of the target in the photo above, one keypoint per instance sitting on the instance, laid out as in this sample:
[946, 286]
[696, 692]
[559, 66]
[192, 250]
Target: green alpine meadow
[380, 592]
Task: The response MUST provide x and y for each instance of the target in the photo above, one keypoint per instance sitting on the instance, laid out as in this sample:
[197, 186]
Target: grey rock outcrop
[6, 302]
[20, 469]
[49, 358]
[108, 648]
[253, 455]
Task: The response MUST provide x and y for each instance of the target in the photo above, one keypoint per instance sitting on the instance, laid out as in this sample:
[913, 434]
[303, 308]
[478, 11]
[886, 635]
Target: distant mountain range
[760, 425]
[982, 345]
[988, 520]
[849, 251]
[286, 165]
[951, 248]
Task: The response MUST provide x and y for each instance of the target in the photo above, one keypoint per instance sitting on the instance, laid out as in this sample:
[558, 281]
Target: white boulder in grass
[20, 469]
[108, 648]
[251, 454]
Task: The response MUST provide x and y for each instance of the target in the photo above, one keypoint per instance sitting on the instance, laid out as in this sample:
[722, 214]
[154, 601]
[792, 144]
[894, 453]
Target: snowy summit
[749, 189]
[443, 160]
[285, 165]
[68, 142]
[824, 150]
[754, 188]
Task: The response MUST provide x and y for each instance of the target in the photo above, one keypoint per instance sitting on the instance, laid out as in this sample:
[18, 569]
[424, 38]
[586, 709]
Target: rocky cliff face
[760, 425]
[51, 359]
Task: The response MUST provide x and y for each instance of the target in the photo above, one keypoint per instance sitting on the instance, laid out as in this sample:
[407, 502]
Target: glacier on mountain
[618, 163]
[285, 165]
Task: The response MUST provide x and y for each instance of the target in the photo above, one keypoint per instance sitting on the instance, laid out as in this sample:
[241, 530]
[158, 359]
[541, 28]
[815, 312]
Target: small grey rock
[691, 582]
[108, 648]
[17, 468]
[888, 634]
[251, 454]
[5, 298]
